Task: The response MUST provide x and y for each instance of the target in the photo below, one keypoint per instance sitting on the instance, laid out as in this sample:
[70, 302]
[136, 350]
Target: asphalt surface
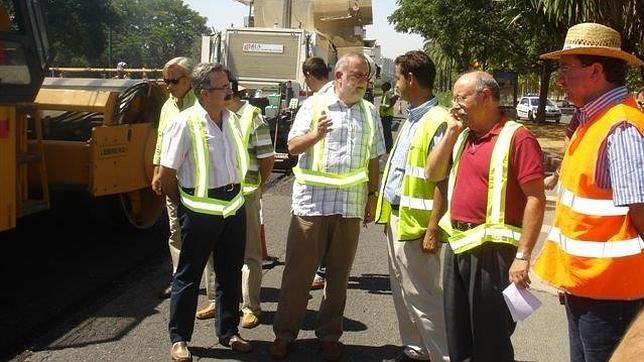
[126, 321]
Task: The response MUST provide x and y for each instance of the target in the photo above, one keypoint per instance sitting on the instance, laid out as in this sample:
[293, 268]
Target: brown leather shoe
[318, 282]
[279, 349]
[208, 312]
[331, 350]
[237, 344]
[180, 352]
[249, 320]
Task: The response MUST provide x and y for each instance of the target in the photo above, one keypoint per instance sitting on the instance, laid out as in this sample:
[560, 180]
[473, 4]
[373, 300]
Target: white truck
[262, 58]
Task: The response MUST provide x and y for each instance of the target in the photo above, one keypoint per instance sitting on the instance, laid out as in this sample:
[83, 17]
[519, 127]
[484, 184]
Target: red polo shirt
[469, 200]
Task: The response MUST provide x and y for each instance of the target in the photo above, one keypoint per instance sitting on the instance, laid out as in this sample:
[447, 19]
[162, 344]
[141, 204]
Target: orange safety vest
[593, 249]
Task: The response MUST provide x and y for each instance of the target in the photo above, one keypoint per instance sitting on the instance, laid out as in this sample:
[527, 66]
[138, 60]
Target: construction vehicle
[96, 135]
[266, 56]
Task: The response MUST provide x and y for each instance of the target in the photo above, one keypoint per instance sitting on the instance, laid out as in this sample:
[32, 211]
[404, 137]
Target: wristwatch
[522, 256]
[374, 194]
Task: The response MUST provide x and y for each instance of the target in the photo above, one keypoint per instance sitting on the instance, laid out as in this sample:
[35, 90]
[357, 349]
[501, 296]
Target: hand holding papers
[521, 302]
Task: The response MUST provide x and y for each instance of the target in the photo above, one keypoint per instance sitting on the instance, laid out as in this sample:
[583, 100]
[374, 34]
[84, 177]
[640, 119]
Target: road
[128, 322]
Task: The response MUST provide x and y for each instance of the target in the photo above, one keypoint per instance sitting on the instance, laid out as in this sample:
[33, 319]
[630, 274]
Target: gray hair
[201, 73]
[344, 61]
[486, 80]
[186, 65]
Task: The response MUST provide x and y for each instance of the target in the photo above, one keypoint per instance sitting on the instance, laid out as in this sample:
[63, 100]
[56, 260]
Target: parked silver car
[527, 109]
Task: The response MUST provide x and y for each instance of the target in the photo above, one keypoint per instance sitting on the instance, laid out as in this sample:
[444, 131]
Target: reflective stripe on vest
[416, 193]
[587, 206]
[594, 249]
[316, 175]
[200, 202]
[252, 180]
[494, 229]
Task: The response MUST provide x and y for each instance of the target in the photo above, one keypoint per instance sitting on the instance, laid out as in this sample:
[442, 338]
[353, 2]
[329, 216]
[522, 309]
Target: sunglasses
[173, 81]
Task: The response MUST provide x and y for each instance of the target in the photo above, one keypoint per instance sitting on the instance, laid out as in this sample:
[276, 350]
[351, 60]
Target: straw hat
[593, 39]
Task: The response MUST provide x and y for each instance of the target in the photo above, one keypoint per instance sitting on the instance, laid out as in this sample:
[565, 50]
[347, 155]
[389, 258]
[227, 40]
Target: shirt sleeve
[626, 161]
[527, 157]
[302, 123]
[378, 144]
[176, 144]
[438, 136]
[261, 138]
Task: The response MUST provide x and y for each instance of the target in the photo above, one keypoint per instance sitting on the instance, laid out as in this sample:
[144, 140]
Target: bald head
[482, 80]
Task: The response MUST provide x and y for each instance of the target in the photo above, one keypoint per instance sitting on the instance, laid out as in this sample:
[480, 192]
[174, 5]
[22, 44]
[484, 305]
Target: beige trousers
[309, 237]
[252, 269]
[174, 241]
[418, 296]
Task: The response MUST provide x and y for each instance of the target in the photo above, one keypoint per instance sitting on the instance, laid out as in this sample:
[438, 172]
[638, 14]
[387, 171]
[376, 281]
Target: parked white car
[527, 109]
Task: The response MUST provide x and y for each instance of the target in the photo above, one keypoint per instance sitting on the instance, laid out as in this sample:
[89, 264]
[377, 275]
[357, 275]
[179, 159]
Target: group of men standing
[468, 178]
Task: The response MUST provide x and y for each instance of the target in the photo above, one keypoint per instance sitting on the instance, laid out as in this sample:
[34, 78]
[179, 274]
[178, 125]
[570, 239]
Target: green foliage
[444, 98]
[150, 32]
[77, 30]
[144, 33]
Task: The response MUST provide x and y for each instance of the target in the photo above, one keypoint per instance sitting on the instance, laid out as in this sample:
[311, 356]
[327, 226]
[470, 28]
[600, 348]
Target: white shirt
[177, 150]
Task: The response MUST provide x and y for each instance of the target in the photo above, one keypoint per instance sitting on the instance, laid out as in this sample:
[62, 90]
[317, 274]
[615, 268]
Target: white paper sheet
[521, 302]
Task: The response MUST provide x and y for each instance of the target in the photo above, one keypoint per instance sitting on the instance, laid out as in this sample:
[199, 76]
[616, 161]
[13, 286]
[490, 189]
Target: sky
[392, 43]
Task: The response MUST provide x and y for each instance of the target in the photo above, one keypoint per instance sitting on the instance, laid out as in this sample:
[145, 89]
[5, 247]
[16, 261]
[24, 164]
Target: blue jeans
[595, 327]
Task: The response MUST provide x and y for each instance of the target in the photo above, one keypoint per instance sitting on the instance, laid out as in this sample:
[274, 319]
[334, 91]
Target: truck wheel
[142, 207]
[530, 116]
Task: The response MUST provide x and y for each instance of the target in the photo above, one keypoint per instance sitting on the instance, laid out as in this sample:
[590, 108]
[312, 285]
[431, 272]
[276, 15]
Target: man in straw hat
[593, 252]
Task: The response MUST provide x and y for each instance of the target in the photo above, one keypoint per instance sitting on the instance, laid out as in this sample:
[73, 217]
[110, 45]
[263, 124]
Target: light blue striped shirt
[346, 150]
[621, 156]
[401, 148]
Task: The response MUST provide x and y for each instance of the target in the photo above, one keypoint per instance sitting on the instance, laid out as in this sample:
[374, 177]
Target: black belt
[227, 192]
[462, 226]
[395, 207]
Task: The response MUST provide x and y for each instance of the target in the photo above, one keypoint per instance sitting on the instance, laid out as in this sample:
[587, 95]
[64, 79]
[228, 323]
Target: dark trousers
[386, 132]
[202, 234]
[595, 327]
[479, 324]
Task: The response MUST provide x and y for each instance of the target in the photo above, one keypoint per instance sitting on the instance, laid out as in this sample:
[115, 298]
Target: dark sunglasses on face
[173, 81]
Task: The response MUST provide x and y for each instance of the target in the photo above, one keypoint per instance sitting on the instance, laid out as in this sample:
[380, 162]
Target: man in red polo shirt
[496, 203]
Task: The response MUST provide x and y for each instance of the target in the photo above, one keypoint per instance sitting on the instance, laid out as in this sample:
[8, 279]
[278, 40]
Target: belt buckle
[229, 187]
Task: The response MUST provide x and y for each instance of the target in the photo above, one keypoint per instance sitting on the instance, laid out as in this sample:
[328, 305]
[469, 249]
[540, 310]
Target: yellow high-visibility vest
[200, 202]
[315, 174]
[494, 229]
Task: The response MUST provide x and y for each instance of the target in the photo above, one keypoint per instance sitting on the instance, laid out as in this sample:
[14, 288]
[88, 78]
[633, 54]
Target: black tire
[530, 116]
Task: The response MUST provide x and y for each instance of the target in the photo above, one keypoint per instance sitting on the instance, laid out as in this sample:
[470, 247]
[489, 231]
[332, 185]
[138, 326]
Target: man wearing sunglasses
[176, 75]
[203, 164]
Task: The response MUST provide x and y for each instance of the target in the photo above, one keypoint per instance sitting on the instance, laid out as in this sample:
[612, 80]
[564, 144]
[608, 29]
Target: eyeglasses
[565, 69]
[461, 99]
[226, 87]
[359, 76]
[173, 81]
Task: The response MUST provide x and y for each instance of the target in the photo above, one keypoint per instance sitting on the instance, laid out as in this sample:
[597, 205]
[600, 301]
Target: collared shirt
[169, 112]
[177, 150]
[621, 156]
[470, 196]
[260, 144]
[345, 151]
[403, 143]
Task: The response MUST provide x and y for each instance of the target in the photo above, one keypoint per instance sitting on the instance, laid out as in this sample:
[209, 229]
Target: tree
[77, 30]
[150, 32]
